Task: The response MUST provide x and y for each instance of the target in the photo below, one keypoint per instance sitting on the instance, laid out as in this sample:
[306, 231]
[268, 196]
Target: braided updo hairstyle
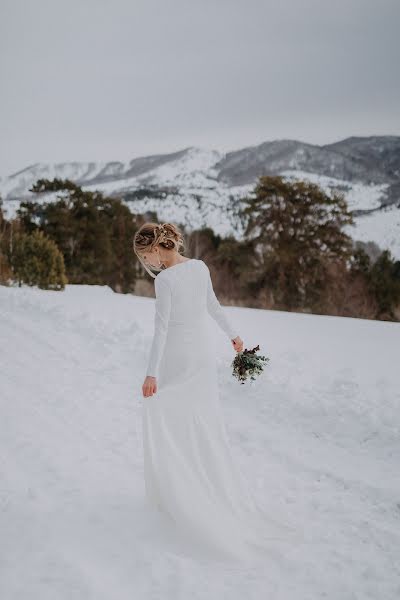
[151, 235]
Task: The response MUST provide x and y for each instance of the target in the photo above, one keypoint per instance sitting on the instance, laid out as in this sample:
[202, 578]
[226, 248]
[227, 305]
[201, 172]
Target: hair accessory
[162, 232]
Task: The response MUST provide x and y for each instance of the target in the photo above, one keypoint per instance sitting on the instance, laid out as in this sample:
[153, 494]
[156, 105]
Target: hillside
[316, 437]
[199, 187]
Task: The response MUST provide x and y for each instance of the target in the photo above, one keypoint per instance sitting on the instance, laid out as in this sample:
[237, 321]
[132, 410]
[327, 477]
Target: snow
[196, 166]
[316, 436]
[359, 196]
[382, 226]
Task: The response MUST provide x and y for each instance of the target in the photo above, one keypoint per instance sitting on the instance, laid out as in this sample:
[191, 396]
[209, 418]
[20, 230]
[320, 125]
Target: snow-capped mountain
[199, 187]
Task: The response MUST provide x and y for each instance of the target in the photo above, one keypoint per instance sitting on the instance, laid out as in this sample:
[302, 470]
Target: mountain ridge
[196, 186]
[244, 165]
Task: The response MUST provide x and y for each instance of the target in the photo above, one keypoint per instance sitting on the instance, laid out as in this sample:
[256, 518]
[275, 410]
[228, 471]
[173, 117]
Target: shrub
[36, 260]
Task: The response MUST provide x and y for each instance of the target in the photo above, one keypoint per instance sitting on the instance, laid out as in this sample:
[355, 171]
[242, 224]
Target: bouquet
[248, 363]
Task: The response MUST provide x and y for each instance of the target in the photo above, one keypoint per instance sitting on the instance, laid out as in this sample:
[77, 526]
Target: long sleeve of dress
[216, 311]
[161, 318]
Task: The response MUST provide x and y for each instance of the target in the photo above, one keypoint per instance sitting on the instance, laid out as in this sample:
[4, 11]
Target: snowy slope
[317, 437]
[359, 196]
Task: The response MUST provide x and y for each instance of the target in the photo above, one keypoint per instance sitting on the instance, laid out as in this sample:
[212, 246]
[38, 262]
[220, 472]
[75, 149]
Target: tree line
[294, 254]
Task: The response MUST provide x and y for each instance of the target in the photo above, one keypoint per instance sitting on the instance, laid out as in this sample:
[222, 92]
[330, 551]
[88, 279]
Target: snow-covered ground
[316, 436]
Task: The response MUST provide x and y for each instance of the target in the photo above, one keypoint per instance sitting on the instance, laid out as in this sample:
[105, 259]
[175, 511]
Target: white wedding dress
[190, 475]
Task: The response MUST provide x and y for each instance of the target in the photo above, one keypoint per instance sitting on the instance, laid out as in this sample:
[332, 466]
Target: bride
[189, 472]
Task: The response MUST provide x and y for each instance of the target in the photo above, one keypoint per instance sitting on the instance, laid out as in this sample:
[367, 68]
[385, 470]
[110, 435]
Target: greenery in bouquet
[248, 364]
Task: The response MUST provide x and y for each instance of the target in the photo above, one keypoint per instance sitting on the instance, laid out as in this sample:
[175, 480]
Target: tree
[297, 230]
[93, 232]
[36, 260]
[384, 281]
[5, 271]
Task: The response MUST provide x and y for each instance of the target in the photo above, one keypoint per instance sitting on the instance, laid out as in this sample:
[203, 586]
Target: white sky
[112, 80]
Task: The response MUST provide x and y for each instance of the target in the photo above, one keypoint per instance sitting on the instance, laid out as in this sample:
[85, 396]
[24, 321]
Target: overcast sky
[112, 80]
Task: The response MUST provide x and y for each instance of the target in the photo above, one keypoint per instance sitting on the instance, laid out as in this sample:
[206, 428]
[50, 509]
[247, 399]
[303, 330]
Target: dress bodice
[184, 296]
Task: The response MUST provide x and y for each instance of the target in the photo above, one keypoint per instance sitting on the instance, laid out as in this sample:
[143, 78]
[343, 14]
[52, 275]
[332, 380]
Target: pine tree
[93, 232]
[5, 241]
[296, 228]
[384, 281]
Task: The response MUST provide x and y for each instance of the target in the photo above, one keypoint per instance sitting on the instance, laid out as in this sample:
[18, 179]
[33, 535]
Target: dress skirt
[189, 471]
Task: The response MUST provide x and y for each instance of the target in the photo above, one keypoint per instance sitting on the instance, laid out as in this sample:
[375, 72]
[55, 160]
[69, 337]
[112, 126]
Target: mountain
[382, 152]
[244, 166]
[199, 187]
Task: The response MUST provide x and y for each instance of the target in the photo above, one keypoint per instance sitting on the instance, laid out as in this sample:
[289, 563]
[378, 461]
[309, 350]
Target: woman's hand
[238, 344]
[150, 386]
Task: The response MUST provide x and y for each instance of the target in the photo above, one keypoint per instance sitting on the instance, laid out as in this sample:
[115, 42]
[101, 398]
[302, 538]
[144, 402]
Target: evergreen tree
[296, 229]
[36, 260]
[5, 271]
[360, 261]
[384, 281]
[93, 232]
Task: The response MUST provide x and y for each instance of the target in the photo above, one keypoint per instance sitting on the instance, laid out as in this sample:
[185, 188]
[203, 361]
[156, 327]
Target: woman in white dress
[190, 474]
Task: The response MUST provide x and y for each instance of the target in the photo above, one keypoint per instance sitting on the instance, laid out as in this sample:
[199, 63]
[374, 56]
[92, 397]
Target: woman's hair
[150, 235]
